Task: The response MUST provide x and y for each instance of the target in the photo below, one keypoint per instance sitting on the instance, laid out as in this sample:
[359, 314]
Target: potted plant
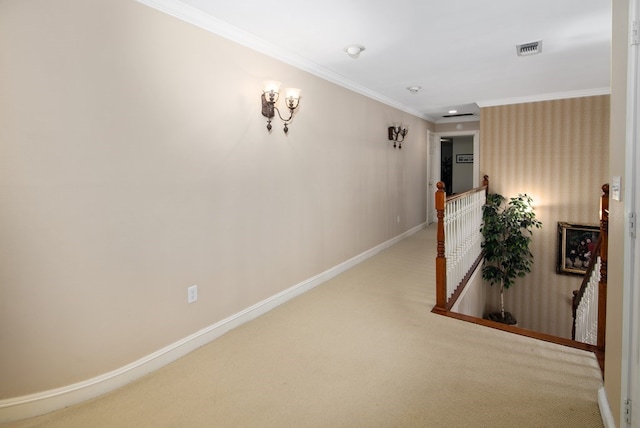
[507, 229]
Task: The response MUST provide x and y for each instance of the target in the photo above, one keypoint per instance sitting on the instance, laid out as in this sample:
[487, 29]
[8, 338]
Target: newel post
[604, 250]
[485, 182]
[441, 261]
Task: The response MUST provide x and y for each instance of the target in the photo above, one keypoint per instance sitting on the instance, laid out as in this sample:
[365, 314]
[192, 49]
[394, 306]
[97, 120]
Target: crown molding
[187, 13]
[545, 97]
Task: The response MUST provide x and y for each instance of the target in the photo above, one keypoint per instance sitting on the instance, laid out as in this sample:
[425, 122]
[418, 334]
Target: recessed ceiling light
[414, 89]
[354, 50]
[453, 111]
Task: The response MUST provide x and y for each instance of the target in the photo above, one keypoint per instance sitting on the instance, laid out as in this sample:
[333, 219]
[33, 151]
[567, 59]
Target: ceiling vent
[527, 49]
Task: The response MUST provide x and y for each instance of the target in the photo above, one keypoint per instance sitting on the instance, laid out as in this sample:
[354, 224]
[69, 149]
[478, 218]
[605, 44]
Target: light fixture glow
[292, 97]
[271, 86]
[270, 96]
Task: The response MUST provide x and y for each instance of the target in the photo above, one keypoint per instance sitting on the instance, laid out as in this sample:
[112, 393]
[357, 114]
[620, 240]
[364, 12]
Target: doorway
[471, 163]
[456, 163]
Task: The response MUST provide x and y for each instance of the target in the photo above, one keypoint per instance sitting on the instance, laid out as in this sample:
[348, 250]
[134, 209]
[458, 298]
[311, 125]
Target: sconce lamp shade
[292, 97]
[292, 93]
[271, 86]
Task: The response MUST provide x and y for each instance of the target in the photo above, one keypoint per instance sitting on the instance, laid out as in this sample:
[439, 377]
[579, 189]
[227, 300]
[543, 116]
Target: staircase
[458, 257]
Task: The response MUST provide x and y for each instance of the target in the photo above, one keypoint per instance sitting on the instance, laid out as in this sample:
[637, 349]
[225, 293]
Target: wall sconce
[397, 134]
[270, 98]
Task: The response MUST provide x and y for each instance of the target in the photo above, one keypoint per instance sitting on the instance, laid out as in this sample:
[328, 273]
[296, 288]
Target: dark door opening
[456, 167]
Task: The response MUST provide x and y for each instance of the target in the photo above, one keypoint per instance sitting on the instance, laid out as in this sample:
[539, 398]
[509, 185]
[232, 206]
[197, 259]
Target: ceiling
[461, 53]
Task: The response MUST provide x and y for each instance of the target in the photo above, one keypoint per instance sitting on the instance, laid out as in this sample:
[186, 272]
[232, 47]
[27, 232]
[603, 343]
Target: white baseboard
[27, 406]
[605, 410]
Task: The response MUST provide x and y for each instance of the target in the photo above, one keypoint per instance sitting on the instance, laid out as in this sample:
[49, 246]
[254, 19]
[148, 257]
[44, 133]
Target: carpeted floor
[362, 350]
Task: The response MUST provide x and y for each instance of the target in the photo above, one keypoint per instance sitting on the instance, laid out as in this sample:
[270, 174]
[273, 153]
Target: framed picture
[464, 158]
[576, 247]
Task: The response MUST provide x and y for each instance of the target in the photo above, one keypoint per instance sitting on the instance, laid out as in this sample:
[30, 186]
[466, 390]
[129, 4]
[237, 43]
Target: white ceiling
[462, 53]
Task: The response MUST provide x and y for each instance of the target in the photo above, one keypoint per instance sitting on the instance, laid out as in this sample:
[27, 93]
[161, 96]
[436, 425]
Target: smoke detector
[354, 50]
[531, 48]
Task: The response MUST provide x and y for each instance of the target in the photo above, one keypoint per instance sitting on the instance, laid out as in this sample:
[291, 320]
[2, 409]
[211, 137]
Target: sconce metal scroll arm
[397, 134]
[269, 109]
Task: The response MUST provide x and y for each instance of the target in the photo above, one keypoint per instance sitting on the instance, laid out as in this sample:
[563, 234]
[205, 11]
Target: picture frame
[468, 158]
[576, 245]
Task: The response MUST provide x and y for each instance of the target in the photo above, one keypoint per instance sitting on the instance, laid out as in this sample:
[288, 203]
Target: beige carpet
[362, 350]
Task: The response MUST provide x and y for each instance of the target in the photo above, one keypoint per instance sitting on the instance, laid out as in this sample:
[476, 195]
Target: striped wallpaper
[557, 152]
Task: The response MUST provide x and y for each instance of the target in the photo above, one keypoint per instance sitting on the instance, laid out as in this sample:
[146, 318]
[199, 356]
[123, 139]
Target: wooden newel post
[485, 182]
[604, 250]
[441, 261]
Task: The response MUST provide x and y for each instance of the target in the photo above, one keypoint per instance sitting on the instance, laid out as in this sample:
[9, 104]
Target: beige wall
[462, 172]
[134, 162]
[474, 298]
[557, 152]
[614, 351]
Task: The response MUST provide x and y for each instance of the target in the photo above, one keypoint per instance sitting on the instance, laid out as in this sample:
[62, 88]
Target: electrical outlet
[192, 294]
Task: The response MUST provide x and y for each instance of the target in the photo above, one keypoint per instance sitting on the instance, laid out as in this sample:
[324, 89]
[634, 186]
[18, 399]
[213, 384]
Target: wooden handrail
[485, 186]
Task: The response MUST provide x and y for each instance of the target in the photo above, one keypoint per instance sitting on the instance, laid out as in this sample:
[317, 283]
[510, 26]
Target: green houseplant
[507, 229]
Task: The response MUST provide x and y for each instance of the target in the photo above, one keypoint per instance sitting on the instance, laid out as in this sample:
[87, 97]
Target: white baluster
[587, 311]
[463, 218]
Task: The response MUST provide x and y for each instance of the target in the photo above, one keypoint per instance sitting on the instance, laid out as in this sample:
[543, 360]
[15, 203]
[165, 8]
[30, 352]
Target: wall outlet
[192, 294]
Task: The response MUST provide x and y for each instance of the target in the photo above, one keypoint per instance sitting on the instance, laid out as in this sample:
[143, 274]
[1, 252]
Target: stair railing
[459, 241]
[585, 302]
[590, 301]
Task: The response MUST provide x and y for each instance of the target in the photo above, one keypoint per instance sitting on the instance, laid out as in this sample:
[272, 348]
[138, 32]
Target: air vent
[458, 115]
[527, 49]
